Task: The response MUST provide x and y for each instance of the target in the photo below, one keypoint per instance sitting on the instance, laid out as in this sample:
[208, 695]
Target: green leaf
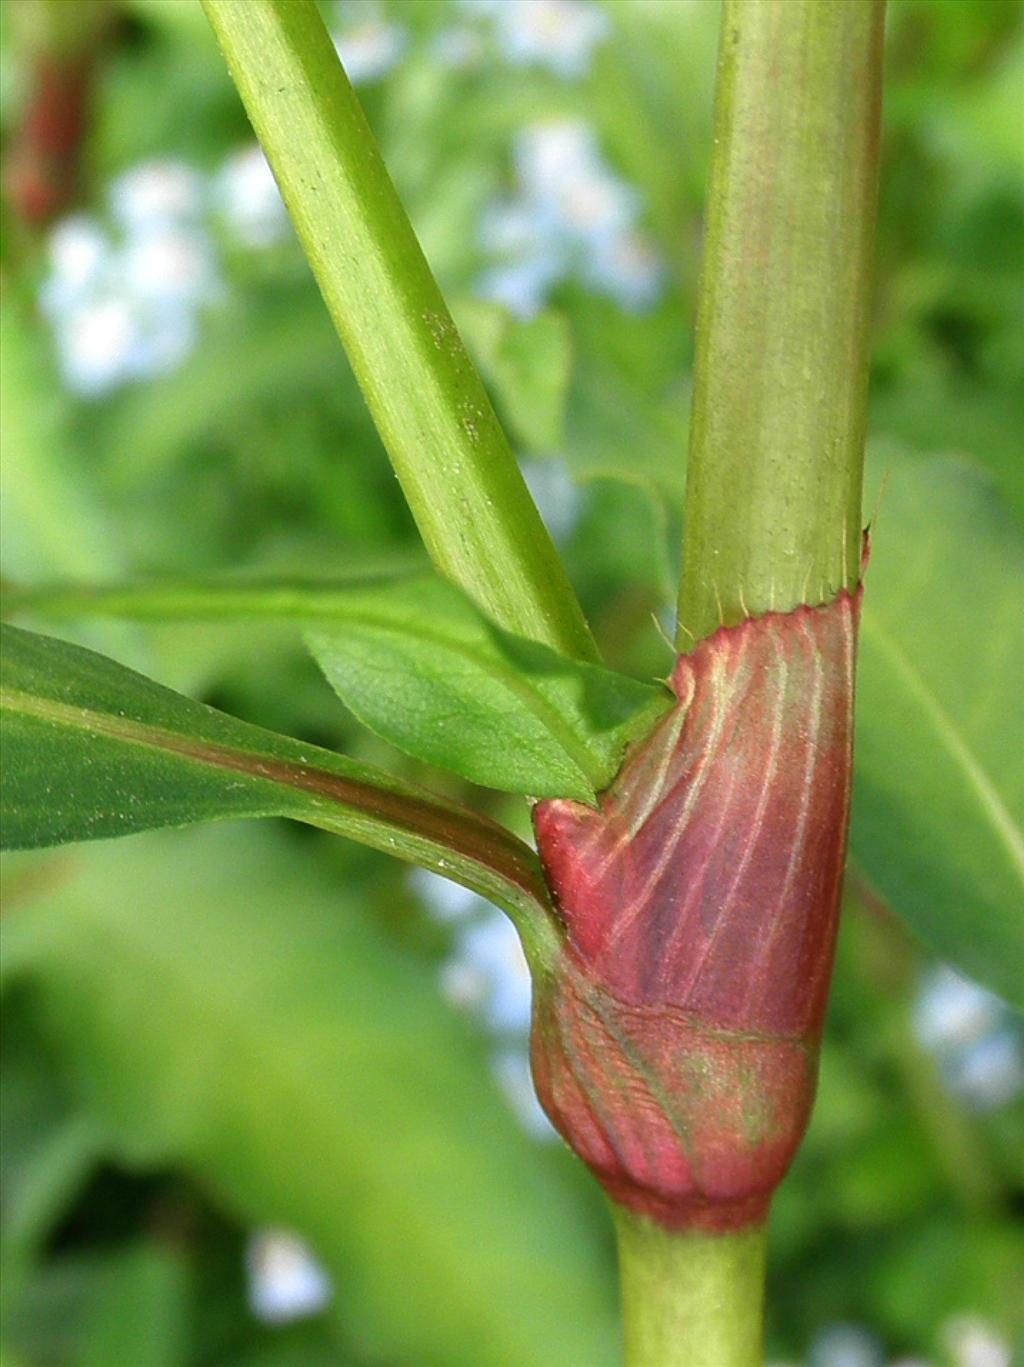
[92, 749]
[420, 666]
[939, 793]
[223, 1006]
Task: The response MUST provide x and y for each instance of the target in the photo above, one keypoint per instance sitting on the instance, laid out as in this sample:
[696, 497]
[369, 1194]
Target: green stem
[690, 1299]
[773, 501]
[462, 482]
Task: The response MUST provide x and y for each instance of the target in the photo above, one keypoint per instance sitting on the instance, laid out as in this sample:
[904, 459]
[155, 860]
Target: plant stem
[462, 482]
[773, 498]
[773, 501]
[690, 1299]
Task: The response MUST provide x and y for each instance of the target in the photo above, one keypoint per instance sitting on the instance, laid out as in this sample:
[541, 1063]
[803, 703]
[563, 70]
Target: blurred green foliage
[219, 1031]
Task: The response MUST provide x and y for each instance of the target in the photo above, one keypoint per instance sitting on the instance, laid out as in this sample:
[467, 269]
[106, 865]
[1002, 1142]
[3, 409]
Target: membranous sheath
[675, 1041]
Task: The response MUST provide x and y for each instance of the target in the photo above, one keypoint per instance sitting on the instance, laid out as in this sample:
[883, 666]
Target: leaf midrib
[508, 859]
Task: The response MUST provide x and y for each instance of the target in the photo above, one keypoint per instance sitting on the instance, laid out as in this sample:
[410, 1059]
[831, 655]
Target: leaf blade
[94, 750]
[419, 665]
[938, 804]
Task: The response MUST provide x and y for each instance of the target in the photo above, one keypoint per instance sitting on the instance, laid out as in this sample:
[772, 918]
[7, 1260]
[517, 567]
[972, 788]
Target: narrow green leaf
[938, 814]
[419, 665]
[277, 598]
[465, 490]
[222, 1005]
[92, 750]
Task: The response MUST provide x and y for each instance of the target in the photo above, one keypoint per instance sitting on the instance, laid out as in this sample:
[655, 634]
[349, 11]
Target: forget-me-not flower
[245, 195]
[570, 217]
[368, 45]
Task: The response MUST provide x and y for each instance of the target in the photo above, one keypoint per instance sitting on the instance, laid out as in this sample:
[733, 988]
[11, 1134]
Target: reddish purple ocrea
[675, 1040]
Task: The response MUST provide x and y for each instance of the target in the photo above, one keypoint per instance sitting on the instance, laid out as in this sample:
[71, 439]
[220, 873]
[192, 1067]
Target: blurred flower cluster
[975, 1038]
[367, 43]
[560, 35]
[570, 217]
[126, 287]
[966, 1341]
[123, 297]
[124, 292]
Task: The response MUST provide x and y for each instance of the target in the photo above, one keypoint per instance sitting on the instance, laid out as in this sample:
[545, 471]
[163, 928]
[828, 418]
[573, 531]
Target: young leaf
[420, 666]
[92, 749]
[938, 811]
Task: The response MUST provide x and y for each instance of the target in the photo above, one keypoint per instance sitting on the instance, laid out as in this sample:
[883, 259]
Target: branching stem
[461, 480]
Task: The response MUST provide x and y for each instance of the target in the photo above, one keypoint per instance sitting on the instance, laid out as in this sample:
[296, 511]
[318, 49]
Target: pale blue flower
[124, 305]
[555, 493]
[977, 1042]
[286, 1282]
[952, 1011]
[156, 192]
[971, 1342]
[79, 252]
[571, 216]
[446, 901]
[516, 226]
[512, 1071]
[628, 268]
[168, 335]
[846, 1345]
[548, 154]
[245, 194]
[488, 974]
[169, 263]
[98, 343]
[990, 1073]
[523, 286]
[369, 46]
[558, 34]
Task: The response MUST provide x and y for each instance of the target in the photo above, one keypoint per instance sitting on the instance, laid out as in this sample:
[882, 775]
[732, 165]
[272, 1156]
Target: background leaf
[526, 363]
[419, 665]
[939, 791]
[325, 1087]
